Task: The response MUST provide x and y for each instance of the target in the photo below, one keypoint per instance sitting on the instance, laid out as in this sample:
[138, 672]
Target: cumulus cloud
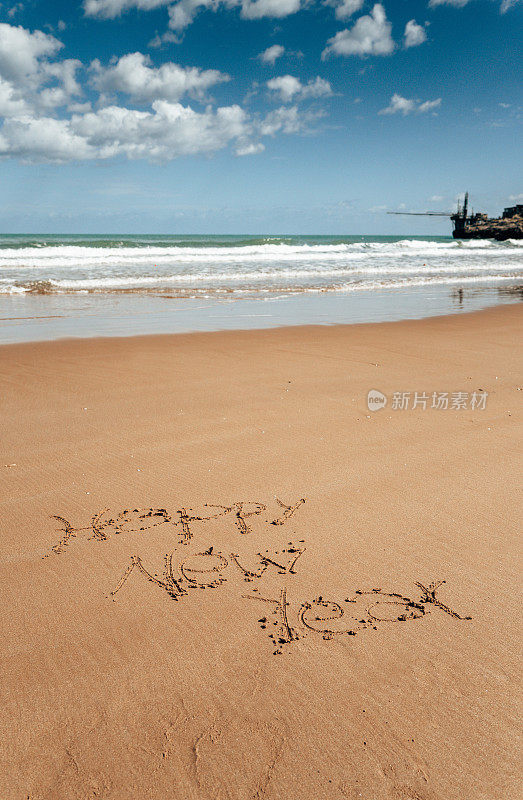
[28, 78]
[168, 37]
[11, 102]
[182, 13]
[21, 51]
[401, 105]
[414, 34]
[43, 139]
[370, 35]
[504, 7]
[167, 131]
[285, 120]
[345, 8]
[455, 3]
[133, 75]
[249, 149]
[65, 74]
[256, 9]
[429, 105]
[270, 55]
[45, 119]
[113, 8]
[289, 88]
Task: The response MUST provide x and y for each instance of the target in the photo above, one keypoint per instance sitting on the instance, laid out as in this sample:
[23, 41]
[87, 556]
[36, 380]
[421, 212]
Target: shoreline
[103, 316]
[487, 310]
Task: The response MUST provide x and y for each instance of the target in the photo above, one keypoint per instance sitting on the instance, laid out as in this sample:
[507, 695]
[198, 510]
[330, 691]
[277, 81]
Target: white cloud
[79, 108]
[168, 131]
[182, 13]
[28, 78]
[113, 8]
[428, 105]
[65, 74]
[345, 8]
[286, 86]
[371, 35]
[290, 88]
[401, 105]
[414, 34]
[43, 139]
[133, 75]
[515, 198]
[21, 50]
[436, 198]
[168, 37]
[455, 3]
[504, 7]
[256, 9]
[250, 149]
[281, 119]
[11, 102]
[34, 85]
[270, 55]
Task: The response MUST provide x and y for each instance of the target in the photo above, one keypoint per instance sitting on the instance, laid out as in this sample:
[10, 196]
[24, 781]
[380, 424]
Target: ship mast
[459, 218]
[465, 206]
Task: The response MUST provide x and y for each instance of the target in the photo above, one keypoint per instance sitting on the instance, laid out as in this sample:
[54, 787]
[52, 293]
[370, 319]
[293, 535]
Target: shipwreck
[479, 226]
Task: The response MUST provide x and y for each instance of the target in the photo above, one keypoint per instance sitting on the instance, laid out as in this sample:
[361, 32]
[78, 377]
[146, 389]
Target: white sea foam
[236, 267]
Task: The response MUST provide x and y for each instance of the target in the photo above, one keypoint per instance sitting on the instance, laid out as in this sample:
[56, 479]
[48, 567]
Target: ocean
[222, 281]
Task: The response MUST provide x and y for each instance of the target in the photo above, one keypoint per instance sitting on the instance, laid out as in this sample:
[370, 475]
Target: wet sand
[220, 571]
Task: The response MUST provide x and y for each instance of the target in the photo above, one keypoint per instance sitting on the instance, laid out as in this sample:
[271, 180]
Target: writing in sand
[187, 568]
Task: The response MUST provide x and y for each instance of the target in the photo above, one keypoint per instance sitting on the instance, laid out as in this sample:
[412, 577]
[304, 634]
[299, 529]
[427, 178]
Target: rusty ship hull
[478, 226]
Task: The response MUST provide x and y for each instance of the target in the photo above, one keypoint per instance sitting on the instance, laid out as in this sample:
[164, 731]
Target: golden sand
[224, 578]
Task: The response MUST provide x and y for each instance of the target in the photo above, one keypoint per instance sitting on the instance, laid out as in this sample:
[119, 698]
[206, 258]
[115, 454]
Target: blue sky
[256, 116]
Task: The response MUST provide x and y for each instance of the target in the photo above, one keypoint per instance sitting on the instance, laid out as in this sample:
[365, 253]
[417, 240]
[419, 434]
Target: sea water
[99, 285]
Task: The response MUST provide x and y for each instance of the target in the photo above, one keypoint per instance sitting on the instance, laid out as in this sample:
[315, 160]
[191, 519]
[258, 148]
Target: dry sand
[252, 688]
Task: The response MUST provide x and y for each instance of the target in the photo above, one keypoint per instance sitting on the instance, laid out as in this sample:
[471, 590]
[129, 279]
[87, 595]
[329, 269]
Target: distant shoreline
[39, 318]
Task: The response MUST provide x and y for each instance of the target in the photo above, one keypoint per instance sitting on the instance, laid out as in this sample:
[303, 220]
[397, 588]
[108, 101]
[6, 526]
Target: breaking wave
[206, 266]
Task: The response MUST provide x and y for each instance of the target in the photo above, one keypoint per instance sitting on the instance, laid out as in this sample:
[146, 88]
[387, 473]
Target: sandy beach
[220, 571]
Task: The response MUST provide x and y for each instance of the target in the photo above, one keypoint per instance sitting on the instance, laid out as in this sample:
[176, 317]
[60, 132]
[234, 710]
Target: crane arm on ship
[420, 213]
[460, 214]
